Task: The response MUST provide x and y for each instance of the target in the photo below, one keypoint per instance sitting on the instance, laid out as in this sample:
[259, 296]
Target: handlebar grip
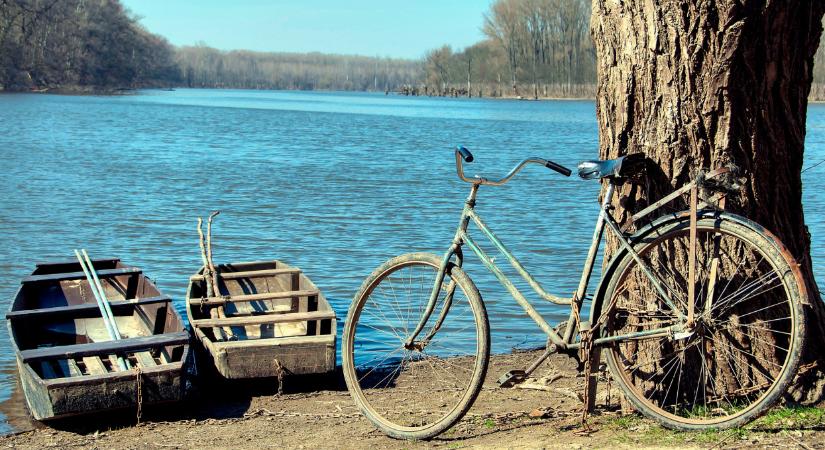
[468, 157]
[558, 168]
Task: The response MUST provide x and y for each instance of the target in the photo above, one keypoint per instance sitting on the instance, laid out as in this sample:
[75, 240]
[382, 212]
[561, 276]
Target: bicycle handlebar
[461, 152]
[468, 157]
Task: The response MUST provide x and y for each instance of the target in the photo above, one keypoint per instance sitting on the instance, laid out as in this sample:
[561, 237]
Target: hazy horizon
[368, 28]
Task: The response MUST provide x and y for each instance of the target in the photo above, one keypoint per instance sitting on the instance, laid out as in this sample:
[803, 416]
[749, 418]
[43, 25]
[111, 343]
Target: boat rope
[138, 393]
[812, 166]
[279, 372]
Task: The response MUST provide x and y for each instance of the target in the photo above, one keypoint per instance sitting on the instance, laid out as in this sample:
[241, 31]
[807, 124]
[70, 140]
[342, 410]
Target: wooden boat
[266, 319]
[68, 363]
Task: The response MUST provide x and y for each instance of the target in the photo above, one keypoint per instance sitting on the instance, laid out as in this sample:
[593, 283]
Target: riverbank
[77, 90]
[251, 416]
[817, 95]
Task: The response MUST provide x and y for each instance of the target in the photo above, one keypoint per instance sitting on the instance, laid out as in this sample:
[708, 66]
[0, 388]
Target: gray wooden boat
[67, 361]
[265, 319]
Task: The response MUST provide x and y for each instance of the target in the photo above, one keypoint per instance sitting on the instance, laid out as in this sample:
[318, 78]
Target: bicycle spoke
[732, 356]
[417, 385]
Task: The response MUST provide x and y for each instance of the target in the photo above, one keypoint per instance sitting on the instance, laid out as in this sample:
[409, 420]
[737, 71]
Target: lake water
[335, 183]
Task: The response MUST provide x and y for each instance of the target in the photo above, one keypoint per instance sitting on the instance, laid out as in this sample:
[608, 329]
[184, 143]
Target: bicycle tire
[740, 375]
[413, 403]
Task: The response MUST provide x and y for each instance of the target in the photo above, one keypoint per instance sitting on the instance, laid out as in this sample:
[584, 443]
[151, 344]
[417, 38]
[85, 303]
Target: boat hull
[57, 399]
[280, 333]
[68, 364]
[256, 359]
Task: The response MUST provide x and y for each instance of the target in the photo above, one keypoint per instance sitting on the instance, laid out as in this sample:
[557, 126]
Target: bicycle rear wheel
[415, 393]
[745, 347]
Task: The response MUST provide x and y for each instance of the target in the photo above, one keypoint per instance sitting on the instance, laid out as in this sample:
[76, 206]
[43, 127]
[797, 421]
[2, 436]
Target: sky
[362, 27]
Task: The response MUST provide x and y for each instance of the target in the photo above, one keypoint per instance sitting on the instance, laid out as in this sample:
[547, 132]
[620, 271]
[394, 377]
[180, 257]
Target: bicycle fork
[454, 250]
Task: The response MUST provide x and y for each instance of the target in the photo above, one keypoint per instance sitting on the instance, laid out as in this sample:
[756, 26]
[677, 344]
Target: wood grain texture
[704, 84]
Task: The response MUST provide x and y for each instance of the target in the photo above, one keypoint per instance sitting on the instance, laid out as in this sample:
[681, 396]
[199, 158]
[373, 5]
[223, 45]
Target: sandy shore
[319, 413]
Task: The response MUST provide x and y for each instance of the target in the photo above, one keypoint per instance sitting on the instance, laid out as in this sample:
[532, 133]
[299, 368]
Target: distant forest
[94, 43]
[78, 45]
[531, 49]
[201, 66]
[534, 48]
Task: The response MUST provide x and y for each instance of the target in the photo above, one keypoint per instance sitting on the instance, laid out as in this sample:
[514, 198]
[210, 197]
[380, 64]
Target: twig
[206, 272]
[798, 442]
[539, 387]
[723, 440]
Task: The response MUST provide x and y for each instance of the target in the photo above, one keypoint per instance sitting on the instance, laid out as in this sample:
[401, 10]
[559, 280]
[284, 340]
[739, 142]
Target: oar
[100, 306]
[102, 302]
[102, 294]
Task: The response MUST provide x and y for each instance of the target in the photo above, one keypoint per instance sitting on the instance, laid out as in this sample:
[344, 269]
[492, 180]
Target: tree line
[51, 43]
[202, 66]
[532, 49]
[99, 45]
[818, 86]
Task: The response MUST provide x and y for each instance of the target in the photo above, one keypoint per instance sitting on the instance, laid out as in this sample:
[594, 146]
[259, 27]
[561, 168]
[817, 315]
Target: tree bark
[705, 84]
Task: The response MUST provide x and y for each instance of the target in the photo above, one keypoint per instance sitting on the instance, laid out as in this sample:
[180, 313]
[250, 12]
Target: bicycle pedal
[512, 378]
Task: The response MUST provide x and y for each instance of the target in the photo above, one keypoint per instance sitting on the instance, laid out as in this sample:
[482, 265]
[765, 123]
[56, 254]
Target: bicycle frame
[605, 220]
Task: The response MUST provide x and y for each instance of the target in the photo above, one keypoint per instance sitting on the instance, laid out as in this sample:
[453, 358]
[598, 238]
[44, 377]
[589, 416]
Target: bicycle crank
[516, 376]
[512, 378]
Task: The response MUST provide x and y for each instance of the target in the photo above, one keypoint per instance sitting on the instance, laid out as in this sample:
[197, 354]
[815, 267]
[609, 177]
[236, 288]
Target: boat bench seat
[79, 310]
[106, 273]
[262, 319]
[105, 348]
[211, 301]
[250, 274]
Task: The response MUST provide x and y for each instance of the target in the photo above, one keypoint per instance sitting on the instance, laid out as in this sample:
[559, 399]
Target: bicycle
[698, 315]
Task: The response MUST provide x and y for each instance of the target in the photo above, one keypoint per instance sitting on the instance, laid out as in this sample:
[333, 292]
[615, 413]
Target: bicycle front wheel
[744, 348]
[420, 391]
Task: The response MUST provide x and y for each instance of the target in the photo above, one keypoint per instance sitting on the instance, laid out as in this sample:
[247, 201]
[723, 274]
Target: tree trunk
[469, 67]
[700, 85]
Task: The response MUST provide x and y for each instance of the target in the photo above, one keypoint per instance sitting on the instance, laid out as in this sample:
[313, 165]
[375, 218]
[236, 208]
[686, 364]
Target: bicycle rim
[415, 393]
[741, 355]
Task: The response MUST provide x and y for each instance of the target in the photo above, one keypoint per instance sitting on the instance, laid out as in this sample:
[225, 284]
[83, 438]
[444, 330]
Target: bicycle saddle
[597, 169]
[594, 170]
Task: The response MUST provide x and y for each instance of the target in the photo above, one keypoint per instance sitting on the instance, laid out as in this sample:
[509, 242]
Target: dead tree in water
[699, 85]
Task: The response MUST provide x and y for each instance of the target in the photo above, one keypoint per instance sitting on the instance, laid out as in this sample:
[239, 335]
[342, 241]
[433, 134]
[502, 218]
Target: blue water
[333, 183]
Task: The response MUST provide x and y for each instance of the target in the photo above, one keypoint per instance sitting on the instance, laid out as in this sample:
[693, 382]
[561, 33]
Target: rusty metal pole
[694, 194]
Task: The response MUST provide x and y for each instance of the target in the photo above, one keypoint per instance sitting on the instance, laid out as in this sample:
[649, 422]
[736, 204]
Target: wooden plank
[47, 370]
[210, 301]
[250, 274]
[74, 369]
[325, 339]
[233, 309]
[105, 348]
[74, 310]
[145, 359]
[94, 365]
[114, 363]
[262, 319]
[69, 262]
[107, 273]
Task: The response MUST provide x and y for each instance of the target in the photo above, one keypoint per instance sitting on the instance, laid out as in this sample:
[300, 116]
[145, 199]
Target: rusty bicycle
[698, 315]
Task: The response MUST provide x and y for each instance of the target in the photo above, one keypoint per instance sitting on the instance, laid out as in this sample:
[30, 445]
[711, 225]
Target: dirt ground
[318, 413]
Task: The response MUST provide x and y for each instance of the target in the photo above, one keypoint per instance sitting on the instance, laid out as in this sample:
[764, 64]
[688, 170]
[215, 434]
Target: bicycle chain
[138, 393]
